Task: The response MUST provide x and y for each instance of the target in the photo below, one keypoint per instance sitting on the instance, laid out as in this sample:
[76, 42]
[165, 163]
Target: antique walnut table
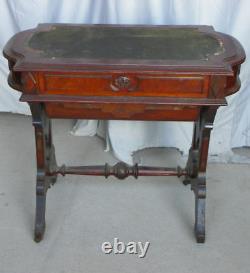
[117, 72]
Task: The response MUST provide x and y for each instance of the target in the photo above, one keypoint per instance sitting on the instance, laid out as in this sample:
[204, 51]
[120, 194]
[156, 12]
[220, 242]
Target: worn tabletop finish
[124, 43]
[124, 72]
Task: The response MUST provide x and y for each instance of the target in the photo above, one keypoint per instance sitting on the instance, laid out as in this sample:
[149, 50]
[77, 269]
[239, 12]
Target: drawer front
[119, 111]
[125, 84]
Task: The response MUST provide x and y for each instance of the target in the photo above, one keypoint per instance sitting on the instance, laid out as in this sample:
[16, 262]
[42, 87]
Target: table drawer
[118, 84]
[119, 111]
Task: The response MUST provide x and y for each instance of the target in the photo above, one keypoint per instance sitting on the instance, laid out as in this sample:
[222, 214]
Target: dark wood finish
[180, 73]
[121, 170]
[46, 162]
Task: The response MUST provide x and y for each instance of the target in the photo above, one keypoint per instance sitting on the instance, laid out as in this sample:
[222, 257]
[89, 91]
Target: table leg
[196, 168]
[50, 157]
[45, 156]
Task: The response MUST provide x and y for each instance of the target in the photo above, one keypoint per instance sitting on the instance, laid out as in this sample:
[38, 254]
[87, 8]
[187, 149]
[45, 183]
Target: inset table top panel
[93, 42]
[80, 47]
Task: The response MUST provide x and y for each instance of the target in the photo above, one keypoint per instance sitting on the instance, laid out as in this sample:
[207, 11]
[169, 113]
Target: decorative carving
[29, 82]
[32, 78]
[121, 170]
[123, 83]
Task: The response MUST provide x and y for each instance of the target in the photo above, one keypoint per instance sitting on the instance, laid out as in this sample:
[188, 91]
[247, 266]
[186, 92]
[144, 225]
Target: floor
[84, 212]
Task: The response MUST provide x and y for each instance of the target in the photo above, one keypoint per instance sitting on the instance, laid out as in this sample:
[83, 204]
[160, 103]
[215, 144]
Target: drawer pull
[123, 83]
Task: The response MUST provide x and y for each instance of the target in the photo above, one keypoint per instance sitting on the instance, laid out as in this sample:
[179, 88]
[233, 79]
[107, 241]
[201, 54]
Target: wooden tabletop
[79, 47]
